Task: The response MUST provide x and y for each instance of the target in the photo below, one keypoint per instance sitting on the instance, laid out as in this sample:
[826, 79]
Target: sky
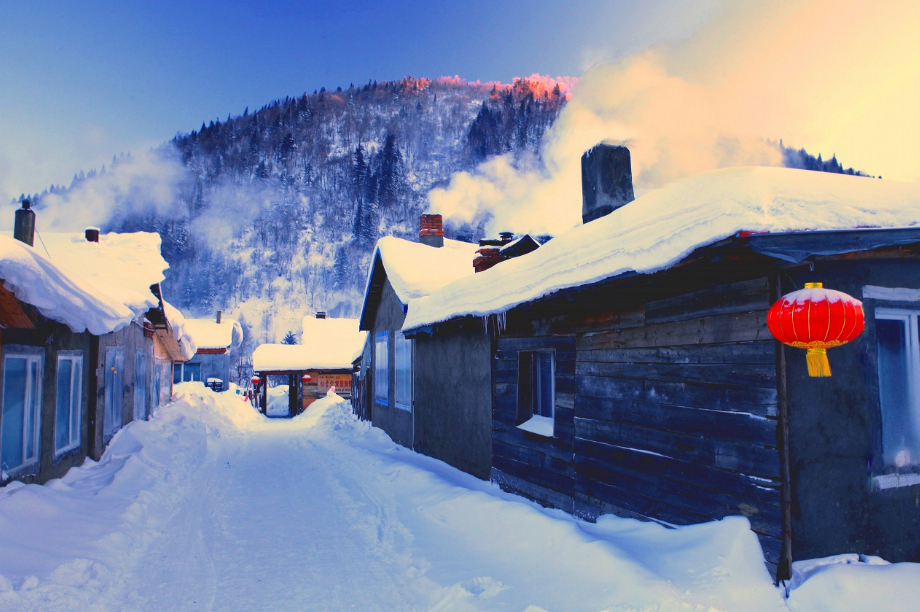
[84, 81]
[693, 84]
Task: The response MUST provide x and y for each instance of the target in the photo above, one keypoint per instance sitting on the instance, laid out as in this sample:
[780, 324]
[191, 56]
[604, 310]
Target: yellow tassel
[818, 365]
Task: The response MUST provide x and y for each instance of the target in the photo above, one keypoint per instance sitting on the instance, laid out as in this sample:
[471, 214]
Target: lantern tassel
[818, 366]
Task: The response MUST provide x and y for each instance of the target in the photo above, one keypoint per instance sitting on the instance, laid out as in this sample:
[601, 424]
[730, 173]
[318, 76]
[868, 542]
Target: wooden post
[784, 569]
[292, 395]
[264, 394]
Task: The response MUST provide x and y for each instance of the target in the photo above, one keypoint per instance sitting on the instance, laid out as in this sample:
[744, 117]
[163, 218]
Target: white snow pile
[663, 226]
[212, 506]
[124, 266]
[57, 294]
[209, 334]
[177, 327]
[416, 269]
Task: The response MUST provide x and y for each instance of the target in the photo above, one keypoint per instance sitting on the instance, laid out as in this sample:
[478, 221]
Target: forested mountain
[274, 213]
[277, 211]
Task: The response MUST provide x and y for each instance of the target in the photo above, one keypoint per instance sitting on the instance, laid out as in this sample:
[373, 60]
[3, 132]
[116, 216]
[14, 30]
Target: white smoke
[143, 183]
[758, 71]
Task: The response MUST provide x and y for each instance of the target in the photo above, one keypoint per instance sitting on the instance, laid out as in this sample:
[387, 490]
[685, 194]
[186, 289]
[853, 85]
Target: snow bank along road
[212, 507]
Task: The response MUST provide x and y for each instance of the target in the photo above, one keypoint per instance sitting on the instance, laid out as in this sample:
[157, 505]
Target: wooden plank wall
[535, 466]
[676, 411]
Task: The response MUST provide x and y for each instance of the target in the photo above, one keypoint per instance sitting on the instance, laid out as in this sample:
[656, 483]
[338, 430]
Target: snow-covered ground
[211, 506]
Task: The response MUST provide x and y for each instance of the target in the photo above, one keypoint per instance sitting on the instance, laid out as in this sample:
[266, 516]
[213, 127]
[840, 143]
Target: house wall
[673, 403]
[132, 338]
[51, 338]
[398, 423]
[214, 366]
[453, 396]
[835, 429]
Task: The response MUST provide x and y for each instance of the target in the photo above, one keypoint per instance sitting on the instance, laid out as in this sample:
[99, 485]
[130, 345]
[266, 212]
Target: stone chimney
[24, 225]
[320, 315]
[92, 234]
[217, 318]
[431, 230]
[606, 181]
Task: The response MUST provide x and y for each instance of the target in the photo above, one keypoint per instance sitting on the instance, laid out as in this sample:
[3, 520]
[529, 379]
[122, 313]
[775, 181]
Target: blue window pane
[899, 439]
[62, 421]
[192, 372]
[14, 408]
[31, 433]
[543, 384]
[76, 397]
[177, 373]
[381, 368]
[403, 391]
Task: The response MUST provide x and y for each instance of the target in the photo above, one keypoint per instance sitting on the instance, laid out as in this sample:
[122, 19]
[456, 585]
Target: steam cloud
[759, 70]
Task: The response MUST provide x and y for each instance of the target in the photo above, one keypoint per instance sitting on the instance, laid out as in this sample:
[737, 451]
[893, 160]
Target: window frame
[408, 345]
[75, 438]
[382, 382]
[34, 393]
[911, 318]
[527, 419]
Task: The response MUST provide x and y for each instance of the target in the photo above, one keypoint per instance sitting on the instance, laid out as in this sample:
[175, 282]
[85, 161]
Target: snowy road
[212, 507]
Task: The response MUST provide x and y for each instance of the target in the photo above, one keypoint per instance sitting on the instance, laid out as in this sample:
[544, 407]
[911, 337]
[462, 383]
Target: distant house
[633, 372]
[211, 362]
[327, 350]
[64, 390]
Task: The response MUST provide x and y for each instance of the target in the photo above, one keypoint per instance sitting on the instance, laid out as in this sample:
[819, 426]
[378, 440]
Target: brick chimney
[431, 230]
[24, 224]
[491, 251]
[606, 181]
[92, 234]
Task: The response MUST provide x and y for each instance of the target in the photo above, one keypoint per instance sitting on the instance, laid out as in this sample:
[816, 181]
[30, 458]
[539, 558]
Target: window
[22, 400]
[898, 336]
[68, 412]
[403, 391]
[536, 391]
[382, 368]
[140, 386]
[186, 372]
[114, 388]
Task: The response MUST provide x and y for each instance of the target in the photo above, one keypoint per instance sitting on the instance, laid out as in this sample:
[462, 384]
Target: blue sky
[82, 81]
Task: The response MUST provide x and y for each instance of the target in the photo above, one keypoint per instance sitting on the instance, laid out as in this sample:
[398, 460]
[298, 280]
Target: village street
[212, 507]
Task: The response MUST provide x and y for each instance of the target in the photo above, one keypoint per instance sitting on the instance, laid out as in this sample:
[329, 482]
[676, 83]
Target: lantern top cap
[814, 285]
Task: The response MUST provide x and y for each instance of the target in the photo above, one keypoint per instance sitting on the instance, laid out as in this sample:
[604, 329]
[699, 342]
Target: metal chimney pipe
[24, 225]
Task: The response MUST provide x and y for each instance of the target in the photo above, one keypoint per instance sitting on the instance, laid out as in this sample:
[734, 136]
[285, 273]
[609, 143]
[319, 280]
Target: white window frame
[911, 318]
[539, 424]
[407, 345]
[382, 368]
[74, 421]
[33, 389]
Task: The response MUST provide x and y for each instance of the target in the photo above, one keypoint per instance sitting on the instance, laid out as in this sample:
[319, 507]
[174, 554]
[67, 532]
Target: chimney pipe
[431, 230]
[24, 225]
[92, 234]
[320, 315]
[606, 181]
[218, 316]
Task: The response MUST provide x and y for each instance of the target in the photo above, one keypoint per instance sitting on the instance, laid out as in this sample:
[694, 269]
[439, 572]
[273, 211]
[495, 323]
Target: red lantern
[255, 380]
[816, 319]
[306, 378]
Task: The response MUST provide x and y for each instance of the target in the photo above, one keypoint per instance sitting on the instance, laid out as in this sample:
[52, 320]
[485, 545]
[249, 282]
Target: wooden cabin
[72, 315]
[328, 348]
[211, 363]
[634, 373]
[428, 392]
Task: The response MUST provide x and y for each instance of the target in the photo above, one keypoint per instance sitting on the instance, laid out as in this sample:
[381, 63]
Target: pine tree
[289, 338]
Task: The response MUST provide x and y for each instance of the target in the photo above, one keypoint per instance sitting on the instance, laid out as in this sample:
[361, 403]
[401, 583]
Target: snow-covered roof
[178, 328]
[57, 294]
[209, 334]
[124, 266]
[662, 227]
[328, 344]
[415, 269]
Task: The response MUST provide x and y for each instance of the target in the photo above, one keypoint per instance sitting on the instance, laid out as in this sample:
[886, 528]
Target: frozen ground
[210, 506]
